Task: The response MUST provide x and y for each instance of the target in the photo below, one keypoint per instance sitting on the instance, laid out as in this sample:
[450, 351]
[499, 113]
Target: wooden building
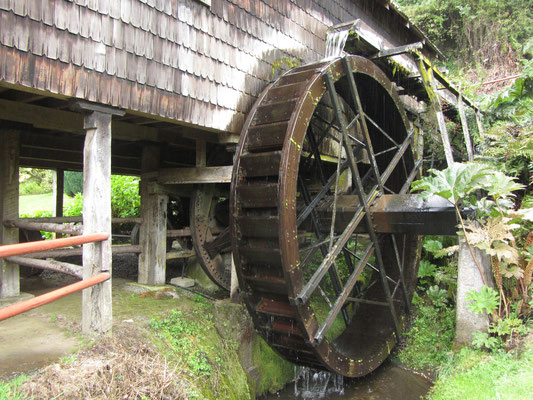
[158, 89]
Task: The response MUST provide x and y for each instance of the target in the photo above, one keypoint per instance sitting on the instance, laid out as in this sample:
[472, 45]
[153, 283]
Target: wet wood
[263, 195]
[260, 164]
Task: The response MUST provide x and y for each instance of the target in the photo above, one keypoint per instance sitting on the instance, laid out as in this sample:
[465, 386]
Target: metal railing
[18, 249]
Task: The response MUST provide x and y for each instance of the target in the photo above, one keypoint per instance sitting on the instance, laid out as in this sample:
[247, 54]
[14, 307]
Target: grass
[478, 375]
[430, 338]
[30, 204]
[10, 390]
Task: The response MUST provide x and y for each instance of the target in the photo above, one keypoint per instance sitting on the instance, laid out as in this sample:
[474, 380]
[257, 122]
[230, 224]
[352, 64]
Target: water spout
[314, 384]
[336, 38]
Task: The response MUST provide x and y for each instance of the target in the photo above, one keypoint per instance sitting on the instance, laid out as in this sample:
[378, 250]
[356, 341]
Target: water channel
[388, 382]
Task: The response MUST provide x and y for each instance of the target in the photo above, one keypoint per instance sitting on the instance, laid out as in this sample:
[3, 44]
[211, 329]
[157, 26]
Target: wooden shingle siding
[176, 59]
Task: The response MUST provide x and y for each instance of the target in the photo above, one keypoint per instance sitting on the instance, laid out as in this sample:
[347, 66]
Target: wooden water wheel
[320, 146]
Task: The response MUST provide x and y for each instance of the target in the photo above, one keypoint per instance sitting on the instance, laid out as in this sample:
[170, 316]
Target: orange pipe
[26, 305]
[42, 245]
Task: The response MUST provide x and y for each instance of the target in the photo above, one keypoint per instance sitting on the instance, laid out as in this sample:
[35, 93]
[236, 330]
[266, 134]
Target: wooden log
[79, 219]
[118, 249]
[45, 226]
[50, 265]
[9, 195]
[30, 304]
[195, 175]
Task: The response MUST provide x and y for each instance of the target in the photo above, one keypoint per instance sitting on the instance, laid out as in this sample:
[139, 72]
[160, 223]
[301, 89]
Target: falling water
[314, 384]
[335, 42]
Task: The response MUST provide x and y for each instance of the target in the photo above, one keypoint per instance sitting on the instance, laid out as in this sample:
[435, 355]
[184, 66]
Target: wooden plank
[183, 176]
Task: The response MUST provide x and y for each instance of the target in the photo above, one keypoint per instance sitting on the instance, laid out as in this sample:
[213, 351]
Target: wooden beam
[170, 190]
[182, 176]
[68, 121]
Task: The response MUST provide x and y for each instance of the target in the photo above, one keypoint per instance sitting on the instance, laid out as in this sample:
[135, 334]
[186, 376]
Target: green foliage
[73, 183]
[467, 28]
[482, 340]
[186, 336]
[478, 375]
[438, 296]
[430, 337]
[35, 181]
[209, 359]
[453, 183]
[125, 198]
[484, 301]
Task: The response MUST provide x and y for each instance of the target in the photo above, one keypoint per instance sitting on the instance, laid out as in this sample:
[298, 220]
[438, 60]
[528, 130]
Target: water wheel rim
[323, 353]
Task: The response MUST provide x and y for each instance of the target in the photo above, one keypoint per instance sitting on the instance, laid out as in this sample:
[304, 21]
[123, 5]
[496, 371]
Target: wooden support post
[431, 89]
[201, 153]
[59, 191]
[464, 124]
[96, 300]
[153, 232]
[9, 208]
[479, 122]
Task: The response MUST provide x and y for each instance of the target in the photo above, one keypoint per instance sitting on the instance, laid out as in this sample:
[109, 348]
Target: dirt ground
[47, 334]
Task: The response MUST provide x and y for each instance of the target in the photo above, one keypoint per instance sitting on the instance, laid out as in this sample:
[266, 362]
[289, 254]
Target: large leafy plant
[493, 229]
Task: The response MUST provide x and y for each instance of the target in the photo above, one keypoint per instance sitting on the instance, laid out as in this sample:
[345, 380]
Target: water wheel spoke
[221, 244]
[379, 128]
[329, 258]
[397, 157]
[341, 300]
[390, 149]
[411, 177]
[311, 205]
[333, 272]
